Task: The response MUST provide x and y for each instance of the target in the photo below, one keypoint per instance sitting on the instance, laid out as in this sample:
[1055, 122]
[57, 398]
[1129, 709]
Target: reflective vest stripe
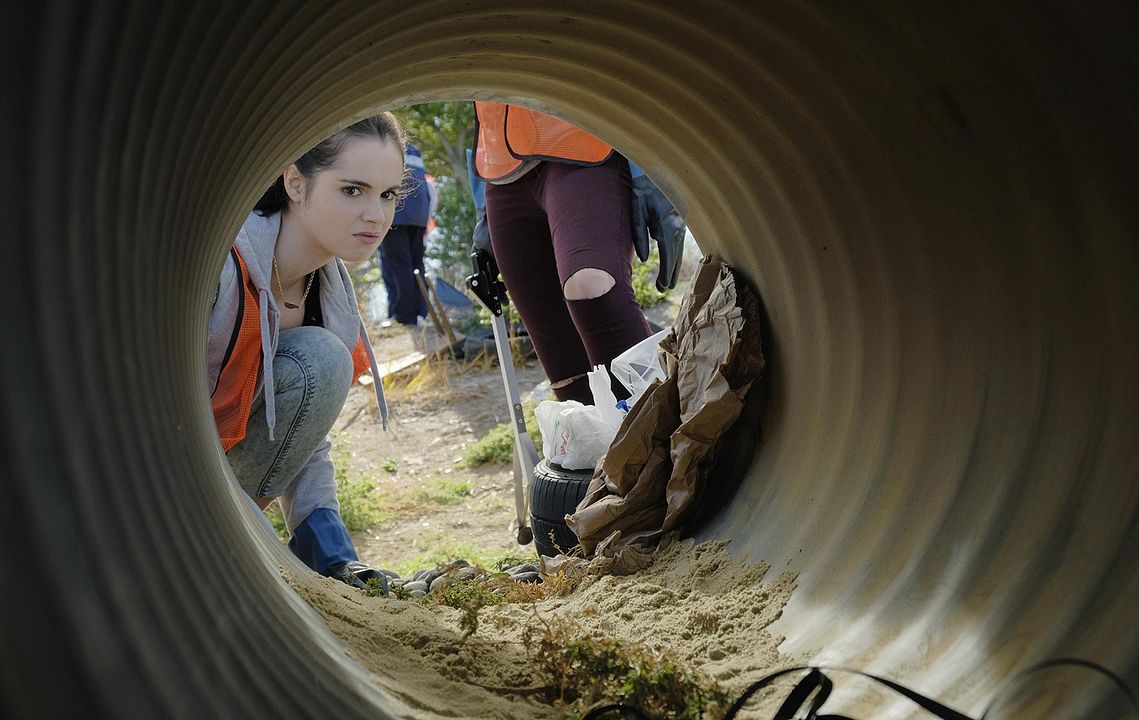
[508, 135]
[232, 399]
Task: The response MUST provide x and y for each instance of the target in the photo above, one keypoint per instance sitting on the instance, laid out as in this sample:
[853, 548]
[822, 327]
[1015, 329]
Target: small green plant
[644, 281]
[399, 592]
[509, 561]
[277, 520]
[468, 597]
[441, 549]
[355, 506]
[359, 506]
[442, 491]
[582, 670]
[480, 319]
[497, 446]
[391, 466]
[373, 587]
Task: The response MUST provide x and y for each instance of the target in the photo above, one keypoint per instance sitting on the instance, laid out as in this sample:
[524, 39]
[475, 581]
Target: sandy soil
[695, 601]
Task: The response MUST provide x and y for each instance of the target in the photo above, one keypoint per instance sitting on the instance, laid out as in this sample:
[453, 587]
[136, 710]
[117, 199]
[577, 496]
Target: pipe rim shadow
[914, 194]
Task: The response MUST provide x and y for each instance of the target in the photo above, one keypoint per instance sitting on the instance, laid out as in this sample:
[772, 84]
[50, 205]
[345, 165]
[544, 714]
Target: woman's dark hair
[384, 126]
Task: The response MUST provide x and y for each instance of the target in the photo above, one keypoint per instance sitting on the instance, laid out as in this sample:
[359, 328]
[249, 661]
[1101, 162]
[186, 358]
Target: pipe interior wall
[935, 202]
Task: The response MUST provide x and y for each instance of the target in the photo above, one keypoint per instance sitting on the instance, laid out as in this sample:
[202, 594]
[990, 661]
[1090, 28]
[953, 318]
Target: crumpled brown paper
[659, 473]
[609, 558]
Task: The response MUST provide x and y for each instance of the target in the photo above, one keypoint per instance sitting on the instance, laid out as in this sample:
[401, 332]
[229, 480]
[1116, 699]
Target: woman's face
[346, 209]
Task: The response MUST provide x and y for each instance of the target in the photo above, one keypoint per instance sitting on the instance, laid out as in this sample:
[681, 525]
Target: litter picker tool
[491, 292]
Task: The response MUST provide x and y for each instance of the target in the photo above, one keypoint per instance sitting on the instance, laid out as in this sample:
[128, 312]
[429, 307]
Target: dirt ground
[711, 612]
[438, 409]
[429, 432]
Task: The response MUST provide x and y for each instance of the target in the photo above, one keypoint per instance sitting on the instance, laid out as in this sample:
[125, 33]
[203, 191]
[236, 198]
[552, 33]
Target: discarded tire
[555, 493]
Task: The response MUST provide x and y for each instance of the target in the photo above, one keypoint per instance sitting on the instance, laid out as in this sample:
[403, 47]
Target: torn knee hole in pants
[563, 383]
[587, 284]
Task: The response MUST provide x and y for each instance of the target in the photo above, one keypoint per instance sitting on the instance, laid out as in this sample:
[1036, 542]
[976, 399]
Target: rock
[418, 593]
[440, 582]
[466, 573]
[526, 577]
[431, 576]
[416, 586]
[524, 568]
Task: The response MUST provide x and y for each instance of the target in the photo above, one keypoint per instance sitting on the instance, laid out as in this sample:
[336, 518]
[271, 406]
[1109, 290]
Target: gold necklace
[281, 290]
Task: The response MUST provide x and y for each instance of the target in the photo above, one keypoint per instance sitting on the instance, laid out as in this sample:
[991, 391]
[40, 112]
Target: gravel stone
[467, 573]
[440, 582]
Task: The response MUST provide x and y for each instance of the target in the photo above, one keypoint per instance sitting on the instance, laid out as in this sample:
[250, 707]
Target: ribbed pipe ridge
[936, 204]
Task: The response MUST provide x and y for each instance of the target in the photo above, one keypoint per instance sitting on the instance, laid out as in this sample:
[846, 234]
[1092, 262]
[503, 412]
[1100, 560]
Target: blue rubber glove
[654, 215]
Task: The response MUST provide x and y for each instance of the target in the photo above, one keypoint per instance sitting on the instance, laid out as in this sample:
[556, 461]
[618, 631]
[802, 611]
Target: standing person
[286, 340]
[560, 208]
[401, 252]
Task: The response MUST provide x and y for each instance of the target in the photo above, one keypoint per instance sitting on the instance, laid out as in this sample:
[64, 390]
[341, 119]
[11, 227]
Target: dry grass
[582, 669]
[430, 376]
[552, 586]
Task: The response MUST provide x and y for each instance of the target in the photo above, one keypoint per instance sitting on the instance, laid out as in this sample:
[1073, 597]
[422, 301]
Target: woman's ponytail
[274, 200]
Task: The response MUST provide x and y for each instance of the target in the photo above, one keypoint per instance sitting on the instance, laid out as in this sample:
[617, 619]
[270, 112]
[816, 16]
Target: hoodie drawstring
[267, 385]
[379, 384]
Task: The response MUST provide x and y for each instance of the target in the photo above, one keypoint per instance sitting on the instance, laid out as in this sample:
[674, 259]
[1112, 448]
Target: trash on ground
[575, 436]
[676, 449]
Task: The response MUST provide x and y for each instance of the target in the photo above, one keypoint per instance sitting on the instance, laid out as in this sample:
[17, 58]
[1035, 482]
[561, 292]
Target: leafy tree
[442, 131]
[450, 243]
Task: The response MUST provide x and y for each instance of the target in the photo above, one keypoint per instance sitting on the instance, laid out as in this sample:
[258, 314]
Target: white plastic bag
[575, 436]
[639, 366]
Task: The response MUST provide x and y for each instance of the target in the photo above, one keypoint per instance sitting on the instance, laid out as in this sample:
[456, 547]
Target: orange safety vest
[232, 399]
[508, 135]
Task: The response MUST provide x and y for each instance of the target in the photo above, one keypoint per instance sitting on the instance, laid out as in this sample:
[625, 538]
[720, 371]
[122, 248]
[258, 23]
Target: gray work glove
[357, 574]
[654, 215]
[481, 236]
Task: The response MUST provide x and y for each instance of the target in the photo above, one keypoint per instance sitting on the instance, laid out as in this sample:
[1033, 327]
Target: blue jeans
[401, 254]
[312, 372]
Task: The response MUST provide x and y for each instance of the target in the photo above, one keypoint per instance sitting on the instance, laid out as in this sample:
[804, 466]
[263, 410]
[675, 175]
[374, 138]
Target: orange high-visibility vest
[508, 135]
[232, 399]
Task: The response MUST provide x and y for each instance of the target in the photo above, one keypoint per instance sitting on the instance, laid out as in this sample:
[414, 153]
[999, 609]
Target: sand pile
[694, 600]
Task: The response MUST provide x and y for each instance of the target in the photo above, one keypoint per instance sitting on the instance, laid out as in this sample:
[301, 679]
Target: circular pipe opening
[936, 204]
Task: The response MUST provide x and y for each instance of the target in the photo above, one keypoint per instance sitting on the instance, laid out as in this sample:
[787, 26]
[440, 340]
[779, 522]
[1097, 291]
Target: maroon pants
[555, 220]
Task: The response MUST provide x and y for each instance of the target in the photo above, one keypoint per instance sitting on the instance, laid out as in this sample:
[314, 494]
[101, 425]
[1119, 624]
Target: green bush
[442, 491]
[644, 281]
[277, 520]
[497, 446]
[582, 670]
[358, 505]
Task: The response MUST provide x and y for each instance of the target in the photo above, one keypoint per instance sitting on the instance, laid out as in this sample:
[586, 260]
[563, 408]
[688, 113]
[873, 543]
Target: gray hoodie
[256, 243]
